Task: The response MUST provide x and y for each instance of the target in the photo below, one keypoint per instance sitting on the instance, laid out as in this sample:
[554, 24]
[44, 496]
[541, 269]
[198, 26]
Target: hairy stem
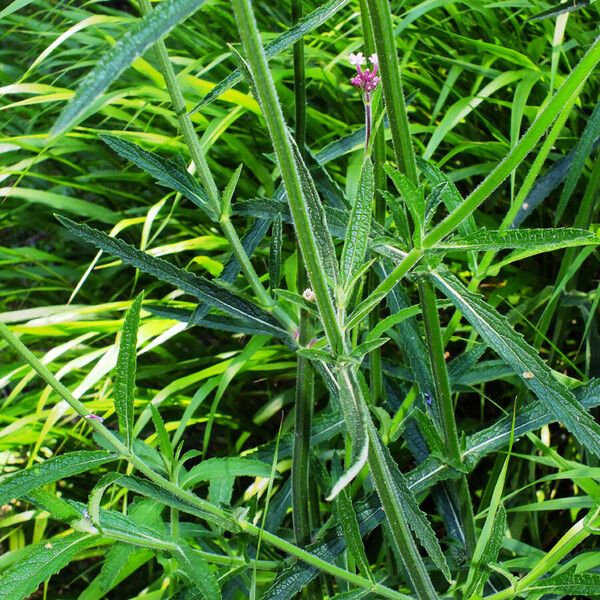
[302, 486]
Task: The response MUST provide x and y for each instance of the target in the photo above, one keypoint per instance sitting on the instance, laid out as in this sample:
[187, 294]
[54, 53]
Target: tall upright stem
[267, 95]
[302, 494]
[380, 177]
[381, 21]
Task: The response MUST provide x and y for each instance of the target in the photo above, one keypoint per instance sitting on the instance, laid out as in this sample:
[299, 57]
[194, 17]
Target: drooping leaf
[42, 561]
[125, 370]
[16, 485]
[359, 224]
[166, 172]
[97, 493]
[523, 359]
[200, 287]
[139, 37]
[353, 410]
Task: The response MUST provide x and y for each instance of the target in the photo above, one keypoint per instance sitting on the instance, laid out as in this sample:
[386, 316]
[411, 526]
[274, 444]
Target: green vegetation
[267, 332]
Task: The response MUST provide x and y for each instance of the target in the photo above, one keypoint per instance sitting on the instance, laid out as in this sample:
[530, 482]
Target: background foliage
[476, 76]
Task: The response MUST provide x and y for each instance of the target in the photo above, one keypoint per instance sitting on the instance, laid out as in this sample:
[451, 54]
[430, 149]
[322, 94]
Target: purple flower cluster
[367, 79]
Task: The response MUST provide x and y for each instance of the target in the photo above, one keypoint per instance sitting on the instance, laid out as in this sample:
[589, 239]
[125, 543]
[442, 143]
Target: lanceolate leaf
[356, 424]
[280, 43]
[125, 371]
[359, 224]
[414, 515]
[533, 241]
[523, 359]
[200, 574]
[134, 43]
[167, 173]
[18, 484]
[23, 578]
[199, 287]
[317, 218]
[224, 468]
[251, 240]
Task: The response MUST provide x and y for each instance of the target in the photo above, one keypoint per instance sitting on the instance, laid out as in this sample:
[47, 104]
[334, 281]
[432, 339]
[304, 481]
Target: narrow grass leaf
[124, 387]
[22, 482]
[42, 561]
[13, 7]
[586, 142]
[523, 359]
[139, 37]
[359, 224]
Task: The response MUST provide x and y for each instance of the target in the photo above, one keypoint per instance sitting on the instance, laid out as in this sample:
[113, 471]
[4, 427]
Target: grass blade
[134, 43]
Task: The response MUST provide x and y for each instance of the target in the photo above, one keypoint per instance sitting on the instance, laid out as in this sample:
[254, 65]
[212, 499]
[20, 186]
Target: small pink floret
[373, 59]
[357, 59]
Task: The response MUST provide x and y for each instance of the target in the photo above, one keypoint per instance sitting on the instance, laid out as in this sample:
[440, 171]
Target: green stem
[197, 154]
[380, 177]
[393, 92]
[224, 516]
[289, 174]
[414, 567]
[265, 88]
[443, 397]
[381, 20]
[185, 123]
[302, 487]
